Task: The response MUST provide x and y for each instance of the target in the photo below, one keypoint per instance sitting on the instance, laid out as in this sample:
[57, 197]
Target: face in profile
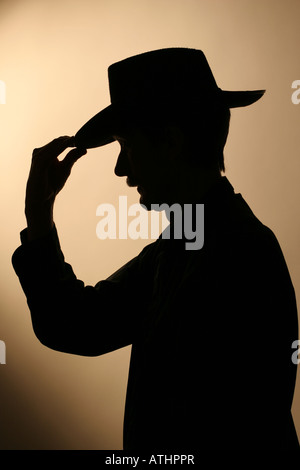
[146, 164]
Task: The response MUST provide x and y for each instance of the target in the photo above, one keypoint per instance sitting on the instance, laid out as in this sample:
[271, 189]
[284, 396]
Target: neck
[194, 185]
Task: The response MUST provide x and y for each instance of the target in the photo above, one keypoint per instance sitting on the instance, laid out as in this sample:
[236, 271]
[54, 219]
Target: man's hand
[46, 179]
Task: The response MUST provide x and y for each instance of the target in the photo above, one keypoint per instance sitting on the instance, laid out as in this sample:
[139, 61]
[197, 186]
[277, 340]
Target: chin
[145, 202]
[150, 203]
[150, 199]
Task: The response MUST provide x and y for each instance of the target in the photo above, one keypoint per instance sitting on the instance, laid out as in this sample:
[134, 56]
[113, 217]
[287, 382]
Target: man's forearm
[39, 223]
[69, 316]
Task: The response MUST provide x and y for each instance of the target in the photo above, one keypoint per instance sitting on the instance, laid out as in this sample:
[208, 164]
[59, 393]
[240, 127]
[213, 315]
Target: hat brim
[239, 99]
[102, 127]
[99, 130]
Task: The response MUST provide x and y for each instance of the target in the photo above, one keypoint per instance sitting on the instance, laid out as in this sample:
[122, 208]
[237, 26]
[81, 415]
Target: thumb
[72, 157]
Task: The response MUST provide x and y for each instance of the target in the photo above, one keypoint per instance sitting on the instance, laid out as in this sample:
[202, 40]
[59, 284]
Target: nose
[121, 168]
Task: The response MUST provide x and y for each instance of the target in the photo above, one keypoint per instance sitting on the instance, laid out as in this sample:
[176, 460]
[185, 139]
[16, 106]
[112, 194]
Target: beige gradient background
[54, 56]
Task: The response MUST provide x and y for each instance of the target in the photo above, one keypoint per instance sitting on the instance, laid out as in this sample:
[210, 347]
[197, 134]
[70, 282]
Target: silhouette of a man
[211, 329]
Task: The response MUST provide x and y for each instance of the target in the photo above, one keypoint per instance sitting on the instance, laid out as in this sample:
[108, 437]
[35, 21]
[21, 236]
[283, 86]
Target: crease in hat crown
[154, 77]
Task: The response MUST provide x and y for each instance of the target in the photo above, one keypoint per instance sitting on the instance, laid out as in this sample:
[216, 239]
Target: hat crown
[174, 80]
[161, 73]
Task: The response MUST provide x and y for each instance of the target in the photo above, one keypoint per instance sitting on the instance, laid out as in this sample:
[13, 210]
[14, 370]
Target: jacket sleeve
[67, 315]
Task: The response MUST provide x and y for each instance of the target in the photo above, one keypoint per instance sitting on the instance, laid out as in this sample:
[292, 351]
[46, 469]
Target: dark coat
[211, 330]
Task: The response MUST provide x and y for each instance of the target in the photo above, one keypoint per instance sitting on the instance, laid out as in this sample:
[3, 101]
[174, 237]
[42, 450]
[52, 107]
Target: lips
[131, 183]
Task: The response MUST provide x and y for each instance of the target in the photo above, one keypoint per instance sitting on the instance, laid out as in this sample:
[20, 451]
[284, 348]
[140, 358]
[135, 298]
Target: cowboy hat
[155, 80]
